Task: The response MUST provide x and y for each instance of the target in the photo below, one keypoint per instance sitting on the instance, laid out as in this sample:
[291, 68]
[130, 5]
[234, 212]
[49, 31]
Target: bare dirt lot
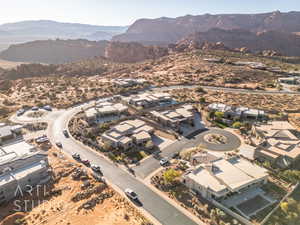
[65, 198]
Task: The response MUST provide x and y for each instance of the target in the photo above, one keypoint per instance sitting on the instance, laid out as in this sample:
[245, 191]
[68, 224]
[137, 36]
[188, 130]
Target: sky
[125, 12]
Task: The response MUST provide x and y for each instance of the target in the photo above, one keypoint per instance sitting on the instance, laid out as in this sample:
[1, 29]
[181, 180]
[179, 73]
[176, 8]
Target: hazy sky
[125, 12]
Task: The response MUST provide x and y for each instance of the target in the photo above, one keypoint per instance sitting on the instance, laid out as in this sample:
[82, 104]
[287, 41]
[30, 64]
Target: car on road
[175, 156]
[47, 107]
[66, 133]
[59, 144]
[131, 194]
[42, 139]
[86, 162]
[20, 112]
[76, 156]
[164, 162]
[96, 168]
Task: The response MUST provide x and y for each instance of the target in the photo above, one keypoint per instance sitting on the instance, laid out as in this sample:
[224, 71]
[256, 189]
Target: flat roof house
[243, 113]
[218, 178]
[105, 109]
[276, 143]
[21, 164]
[174, 117]
[147, 100]
[127, 134]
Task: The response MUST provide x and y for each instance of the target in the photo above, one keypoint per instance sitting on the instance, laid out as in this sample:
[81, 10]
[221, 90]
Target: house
[218, 178]
[128, 82]
[275, 142]
[127, 134]
[147, 100]
[174, 117]
[21, 165]
[237, 113]
[289, 80]
[105, 112]
[9, 133]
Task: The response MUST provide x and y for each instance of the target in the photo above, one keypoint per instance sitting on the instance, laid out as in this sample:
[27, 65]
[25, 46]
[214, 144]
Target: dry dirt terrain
[59, 208]
[276, 102]
[8, 64]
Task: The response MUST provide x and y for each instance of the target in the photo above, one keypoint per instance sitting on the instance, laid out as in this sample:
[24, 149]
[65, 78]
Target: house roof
[142, 135]
[5, 131]
[233, 173]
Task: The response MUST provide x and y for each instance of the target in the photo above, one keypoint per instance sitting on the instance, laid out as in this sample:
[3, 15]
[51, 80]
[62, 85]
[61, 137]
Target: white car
[131, 194]
[164, 162]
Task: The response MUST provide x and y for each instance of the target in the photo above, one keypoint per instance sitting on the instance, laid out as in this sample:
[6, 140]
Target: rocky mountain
[20, 32]
[133, 52]
[285, 43]
[54, 51]
[170, 30]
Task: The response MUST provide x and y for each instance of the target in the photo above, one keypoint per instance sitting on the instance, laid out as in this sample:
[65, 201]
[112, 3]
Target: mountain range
[275, 31]
[54, 51]
[165, 30]
[20, 32]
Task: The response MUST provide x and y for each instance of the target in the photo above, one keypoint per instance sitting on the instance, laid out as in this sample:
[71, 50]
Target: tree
[219, 115]
[170, 175]
[202, 100]
[284, 206]
[237, 125]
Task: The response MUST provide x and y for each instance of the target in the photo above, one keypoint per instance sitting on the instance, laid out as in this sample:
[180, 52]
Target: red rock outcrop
[133, 52]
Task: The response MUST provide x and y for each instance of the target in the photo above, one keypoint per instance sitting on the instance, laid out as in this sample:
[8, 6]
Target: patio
[250, 202]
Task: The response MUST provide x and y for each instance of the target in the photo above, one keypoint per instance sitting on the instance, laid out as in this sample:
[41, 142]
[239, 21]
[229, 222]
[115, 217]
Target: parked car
[175, 156]
[131, 194]
[35, 108]
[76, 156]
[164, 162]
[59, 144]
[96, 168]
[42, 139]
[47, 107]
[85, 162]
[20, 112]
[65, 132]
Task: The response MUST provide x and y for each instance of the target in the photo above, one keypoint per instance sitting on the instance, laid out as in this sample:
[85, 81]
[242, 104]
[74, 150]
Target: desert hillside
[133, 52]
[169, 30]
[285, 43]
[54, 51]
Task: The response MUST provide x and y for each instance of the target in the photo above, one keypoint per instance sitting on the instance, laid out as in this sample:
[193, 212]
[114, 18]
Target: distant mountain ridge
[165, 30]
[54, 51]
[24, 31]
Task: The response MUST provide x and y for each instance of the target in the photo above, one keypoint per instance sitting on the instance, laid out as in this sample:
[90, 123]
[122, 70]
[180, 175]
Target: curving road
[159, 208]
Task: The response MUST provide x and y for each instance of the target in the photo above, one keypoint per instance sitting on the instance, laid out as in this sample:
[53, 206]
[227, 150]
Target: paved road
[151, 164]
[238, 90]
[232, 141]
[159, 208]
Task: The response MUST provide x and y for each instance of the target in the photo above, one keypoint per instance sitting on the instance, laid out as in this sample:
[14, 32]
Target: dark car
[85, 162]
[35, 108]
[47, 107]
[175, 156]
[96, 168]
[76, 156]
[66, 133]
[59, 144]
